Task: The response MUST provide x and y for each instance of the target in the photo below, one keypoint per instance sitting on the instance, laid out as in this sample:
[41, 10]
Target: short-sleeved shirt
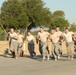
[55, 38]
[68, 36]
[59, 33]
[13, 35]
[31, 37]
[20, 38]
[43, 36]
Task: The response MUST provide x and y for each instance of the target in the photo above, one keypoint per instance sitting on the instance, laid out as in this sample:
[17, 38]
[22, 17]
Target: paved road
[27, 66]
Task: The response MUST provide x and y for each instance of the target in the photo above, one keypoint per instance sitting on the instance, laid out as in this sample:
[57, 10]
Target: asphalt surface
[27, 66]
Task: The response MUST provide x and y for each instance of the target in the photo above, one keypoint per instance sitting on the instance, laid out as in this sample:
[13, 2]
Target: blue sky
[68, 6]
[1, 1]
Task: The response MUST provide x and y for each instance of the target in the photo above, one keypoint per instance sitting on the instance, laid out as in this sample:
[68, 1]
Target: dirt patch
[5, 44]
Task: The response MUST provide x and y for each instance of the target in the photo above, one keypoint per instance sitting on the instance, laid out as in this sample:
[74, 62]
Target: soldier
[69, 42]
[31, 40]
[20, 43]
[14, 43]
[42, 36]
[74, 39]
[59, 35]
[55, 44]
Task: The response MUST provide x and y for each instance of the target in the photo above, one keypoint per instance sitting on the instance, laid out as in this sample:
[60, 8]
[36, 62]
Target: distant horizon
[67, 6]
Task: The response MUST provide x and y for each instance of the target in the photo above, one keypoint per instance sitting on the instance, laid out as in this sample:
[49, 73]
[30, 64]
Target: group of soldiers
[57, 37]
[42, 38]
[15, 43]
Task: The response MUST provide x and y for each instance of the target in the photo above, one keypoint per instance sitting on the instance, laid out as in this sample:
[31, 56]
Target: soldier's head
[66, 30]
[18, 32]
[12, 30]
[53, 30]
[57, 28]
[41, 29]
[28, 33]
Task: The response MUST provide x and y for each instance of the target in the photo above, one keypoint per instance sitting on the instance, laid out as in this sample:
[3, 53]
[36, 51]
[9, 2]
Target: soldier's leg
[69, 51]
[33, 50]
[48, 53]
[16, 49]
[20, 49]
[69, 48]
[44, 50]
[74, 46]
[40, 48]
[12, 49]
[60, 50]
[53, 51]
[57, 51]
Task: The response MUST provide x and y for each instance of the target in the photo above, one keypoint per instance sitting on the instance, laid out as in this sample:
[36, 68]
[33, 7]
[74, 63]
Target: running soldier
[55, 44]
[20, 43]
[13, 43]
[69, 42]
[74, 39]
[59, 35]
[43, 38]
[31, 40]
